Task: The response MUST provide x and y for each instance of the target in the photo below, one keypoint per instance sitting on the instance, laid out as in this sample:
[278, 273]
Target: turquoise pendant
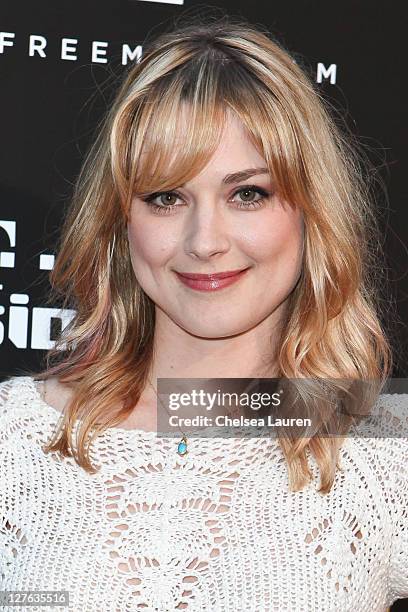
[182, 446]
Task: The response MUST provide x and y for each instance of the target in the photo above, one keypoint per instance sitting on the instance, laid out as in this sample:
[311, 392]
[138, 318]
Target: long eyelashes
[165, 209]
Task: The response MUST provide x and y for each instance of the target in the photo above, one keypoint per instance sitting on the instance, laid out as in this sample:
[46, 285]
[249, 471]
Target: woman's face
[215, 226]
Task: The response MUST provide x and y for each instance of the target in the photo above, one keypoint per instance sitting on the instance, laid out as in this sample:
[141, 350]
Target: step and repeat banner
[59, 65]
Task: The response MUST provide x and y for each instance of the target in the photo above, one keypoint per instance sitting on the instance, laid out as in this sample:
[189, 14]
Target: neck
[179, 354]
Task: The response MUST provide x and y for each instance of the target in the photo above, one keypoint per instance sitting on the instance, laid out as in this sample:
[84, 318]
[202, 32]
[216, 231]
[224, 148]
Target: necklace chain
[182, 445]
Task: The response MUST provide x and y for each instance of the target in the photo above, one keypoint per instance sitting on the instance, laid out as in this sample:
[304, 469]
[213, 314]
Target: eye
[252, 203]
[166, 207]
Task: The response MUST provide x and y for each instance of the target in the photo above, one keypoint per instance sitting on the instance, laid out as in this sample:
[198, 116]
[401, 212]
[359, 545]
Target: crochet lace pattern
[217, 530]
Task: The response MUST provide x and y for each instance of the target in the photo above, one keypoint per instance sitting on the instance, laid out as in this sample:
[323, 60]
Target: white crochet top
[216, 530]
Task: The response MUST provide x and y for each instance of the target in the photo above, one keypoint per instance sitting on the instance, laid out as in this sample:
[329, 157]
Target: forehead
[183, 146]
[234, 152]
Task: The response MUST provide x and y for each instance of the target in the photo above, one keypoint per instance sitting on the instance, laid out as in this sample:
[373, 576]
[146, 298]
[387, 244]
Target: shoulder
[393, 408]
[8, 388]
[379, 449]
[392, 461]
[5, 387]
[12, 386]
[392, 432]
[18, 397]
[379, 444]
[7, 407]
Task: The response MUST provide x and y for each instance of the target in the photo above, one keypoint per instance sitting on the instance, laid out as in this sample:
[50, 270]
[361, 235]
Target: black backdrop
[58, 65]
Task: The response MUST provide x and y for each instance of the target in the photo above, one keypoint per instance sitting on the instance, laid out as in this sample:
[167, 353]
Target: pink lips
[211, 282]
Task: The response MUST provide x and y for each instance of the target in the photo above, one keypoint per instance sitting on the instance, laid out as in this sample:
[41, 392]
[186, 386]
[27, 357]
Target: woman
[217, 155]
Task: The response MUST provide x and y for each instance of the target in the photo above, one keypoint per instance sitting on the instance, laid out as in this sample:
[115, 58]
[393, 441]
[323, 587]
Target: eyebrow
[236, 177]
[242, 175]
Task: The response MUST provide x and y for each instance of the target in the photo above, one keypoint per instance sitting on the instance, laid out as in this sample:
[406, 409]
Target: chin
[212, 331]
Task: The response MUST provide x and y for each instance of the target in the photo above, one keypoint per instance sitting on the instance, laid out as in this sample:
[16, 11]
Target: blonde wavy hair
[332, 330]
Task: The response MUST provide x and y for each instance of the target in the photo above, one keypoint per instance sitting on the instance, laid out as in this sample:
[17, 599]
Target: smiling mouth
[212, 276]
[211, 282]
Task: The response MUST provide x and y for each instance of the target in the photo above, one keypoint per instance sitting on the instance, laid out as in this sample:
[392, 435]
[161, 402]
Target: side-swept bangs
[167, 136]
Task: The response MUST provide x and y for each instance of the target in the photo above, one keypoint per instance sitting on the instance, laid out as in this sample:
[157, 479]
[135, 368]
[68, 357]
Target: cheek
[147, 246]
[278, 239]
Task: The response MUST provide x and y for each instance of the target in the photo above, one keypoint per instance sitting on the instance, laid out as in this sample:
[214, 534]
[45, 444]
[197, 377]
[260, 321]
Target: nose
[207, 232]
